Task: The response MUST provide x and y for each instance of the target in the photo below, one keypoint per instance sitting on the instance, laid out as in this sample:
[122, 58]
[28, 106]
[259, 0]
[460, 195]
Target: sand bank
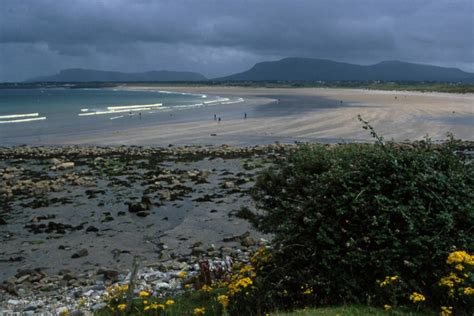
[313, 114]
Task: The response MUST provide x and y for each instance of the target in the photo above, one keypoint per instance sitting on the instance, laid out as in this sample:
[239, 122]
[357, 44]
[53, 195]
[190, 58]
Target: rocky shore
[74, 218]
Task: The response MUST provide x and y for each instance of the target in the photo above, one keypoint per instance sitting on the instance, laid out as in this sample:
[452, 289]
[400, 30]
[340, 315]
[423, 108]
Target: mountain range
[88, 75]
[287, 69]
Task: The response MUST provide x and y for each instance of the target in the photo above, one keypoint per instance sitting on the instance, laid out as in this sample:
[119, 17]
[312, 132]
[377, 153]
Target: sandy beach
[306, 114]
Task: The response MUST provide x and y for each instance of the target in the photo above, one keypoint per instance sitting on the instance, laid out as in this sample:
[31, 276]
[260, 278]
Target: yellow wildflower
[387, 307]
[154, 306]
[460, 257]
[223, 299]
[468, 291]
[417, 297]
[145, 302]
[169, 302]
[122, 307]
[182, 274]
[450, 280]
[143, 294]
[206, 288]
[199, 311]
[446, 310]
[388, 281]
[459, 267]
[307, 289]
[64, 312]
[187, 286]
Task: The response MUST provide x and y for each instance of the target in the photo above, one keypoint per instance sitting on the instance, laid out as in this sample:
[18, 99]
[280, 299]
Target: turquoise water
[41, 113]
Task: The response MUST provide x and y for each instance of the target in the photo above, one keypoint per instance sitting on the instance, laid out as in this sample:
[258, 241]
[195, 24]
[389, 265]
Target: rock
[77, 313]
[88, 293]
[65, 165]
[30, 308]
[247, 241]
[229, 185]
[9, 288]
[69, 277]
[165, 195]
[81, 253]
[92, 229]
[22, 279]
[144, 205]
[55, 161]
[143, 213]
[197, 251]
[62, 311]
[14, 302]
[109, 274]
[162, 286]
[236, 238]
[98, 306]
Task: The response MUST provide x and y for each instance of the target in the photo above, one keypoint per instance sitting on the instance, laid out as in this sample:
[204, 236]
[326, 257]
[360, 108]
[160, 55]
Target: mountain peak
[312, 69]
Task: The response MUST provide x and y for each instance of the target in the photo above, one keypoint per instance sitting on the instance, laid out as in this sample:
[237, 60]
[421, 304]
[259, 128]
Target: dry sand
[397, 115]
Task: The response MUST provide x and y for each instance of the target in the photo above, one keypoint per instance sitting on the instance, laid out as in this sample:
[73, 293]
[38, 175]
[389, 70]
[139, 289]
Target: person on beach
[219, 120]
[215, 117]
[245, 115]
[140, 115]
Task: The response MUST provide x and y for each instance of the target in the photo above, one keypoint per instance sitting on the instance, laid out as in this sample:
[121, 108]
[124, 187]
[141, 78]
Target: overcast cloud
[220, 37]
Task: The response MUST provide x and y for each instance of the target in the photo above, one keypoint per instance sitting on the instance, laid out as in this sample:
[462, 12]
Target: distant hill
[87, 75]
[308, 69]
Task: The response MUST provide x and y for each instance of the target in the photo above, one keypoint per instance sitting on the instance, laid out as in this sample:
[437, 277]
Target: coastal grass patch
[351, 310]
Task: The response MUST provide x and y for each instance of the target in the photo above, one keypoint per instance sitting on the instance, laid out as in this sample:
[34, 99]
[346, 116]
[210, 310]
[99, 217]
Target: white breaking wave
[113, 111]
[116, 117]
[133, 106]
[18, 115]
[24, 120]
[217, 100]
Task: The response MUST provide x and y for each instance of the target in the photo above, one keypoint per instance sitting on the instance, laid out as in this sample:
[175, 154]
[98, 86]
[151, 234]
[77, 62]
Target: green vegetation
[350, 310]
[369, 224]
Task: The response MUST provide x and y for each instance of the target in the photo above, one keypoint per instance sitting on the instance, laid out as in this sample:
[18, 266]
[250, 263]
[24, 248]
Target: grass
[350, 310]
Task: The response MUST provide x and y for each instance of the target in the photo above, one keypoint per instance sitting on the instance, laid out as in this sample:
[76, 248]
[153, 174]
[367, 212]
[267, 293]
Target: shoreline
[291, 115]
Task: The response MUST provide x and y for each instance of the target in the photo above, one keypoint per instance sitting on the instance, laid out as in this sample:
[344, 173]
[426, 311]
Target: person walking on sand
[215, 117]
[245, 115]
[219, 120]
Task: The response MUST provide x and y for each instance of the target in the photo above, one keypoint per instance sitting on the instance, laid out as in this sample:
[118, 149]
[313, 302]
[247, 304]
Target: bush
[346, 217]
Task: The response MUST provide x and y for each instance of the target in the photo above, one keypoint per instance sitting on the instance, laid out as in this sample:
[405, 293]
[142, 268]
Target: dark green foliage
[346, 216]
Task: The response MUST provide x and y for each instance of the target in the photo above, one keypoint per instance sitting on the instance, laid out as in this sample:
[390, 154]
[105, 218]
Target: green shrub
[346, 217]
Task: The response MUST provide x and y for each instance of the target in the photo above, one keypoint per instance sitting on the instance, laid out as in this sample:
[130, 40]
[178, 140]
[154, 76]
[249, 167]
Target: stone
[162, 286]
[143, 213]
[65, 165]
[229, 185]
[247, 241]
[55, 161]
[92, 229]
[197, 251]
[109, 274]
[81, 253]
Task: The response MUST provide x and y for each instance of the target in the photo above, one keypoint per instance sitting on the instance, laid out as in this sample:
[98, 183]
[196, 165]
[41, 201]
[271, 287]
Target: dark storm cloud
[217, 37]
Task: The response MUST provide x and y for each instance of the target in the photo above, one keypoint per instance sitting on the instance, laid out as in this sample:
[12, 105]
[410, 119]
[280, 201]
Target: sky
[222, 37]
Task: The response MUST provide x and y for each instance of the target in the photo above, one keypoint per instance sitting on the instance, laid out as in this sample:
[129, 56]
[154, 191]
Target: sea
[37, 116]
